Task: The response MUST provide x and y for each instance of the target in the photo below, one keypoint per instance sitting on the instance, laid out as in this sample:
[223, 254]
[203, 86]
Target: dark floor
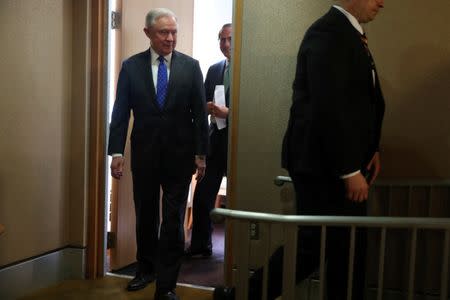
[109, 288]
[198, 271]
[206, 271]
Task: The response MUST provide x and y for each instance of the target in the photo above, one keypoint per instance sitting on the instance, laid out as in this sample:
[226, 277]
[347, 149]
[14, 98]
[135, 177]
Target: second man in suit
[206, 190]
[331, 147]
[164, 90]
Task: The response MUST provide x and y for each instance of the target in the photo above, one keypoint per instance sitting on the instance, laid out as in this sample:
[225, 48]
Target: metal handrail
[290, 224]
[393, 222]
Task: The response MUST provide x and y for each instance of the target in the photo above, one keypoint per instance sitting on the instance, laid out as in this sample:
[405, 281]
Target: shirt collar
[351, 18]
[154, 57]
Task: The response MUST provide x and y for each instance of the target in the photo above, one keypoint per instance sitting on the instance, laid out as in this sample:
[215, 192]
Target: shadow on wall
[416, 140]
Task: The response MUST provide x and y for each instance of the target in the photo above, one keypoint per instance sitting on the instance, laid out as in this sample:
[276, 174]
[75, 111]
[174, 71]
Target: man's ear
[147, 32]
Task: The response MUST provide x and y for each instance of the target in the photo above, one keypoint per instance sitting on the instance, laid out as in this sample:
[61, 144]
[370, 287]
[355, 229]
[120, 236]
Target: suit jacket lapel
[176, 67]
[347, 27]
[222, 71]
[147, 75]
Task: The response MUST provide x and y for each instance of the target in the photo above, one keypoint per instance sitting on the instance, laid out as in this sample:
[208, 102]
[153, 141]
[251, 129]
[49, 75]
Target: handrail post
[381, 263]
[412, 264]
[289, 260]
[267, 254]
[323, 241]
[351, 260]
[243, 233]
[445, 266]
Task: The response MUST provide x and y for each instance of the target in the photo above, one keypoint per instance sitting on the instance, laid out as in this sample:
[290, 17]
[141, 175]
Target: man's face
[366, 10]
[163, 35]
[225, 42]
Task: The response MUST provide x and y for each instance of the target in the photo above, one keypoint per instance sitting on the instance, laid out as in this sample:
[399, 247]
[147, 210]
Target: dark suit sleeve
[209, 84]
[121, 114]
[337, 108]
[198, 107]
[380, 107]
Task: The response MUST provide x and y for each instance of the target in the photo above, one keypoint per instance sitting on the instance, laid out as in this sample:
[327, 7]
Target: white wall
[209, 16]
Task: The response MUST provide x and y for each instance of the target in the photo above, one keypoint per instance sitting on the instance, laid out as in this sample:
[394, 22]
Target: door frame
[95, 253]
[97, 138]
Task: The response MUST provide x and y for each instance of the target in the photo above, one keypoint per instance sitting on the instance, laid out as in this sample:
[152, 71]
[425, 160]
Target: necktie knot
[161, 59]
[365, 40]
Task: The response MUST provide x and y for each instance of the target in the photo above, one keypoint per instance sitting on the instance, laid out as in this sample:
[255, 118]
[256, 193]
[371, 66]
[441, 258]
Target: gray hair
[155, 14]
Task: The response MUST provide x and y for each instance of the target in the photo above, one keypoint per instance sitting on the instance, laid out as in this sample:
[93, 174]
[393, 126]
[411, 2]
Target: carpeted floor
[109, 288]
[206, 272]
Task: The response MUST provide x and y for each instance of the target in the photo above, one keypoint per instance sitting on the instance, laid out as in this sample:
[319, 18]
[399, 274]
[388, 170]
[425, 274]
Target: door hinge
[116, 19]
[110, 240]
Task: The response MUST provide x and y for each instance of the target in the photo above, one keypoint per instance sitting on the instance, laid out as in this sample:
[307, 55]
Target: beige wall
[134, 39]
[411, 45]
[38, 84]
[271, 37]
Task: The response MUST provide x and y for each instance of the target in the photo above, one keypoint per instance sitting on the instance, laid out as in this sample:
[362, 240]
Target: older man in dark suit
[206, 190]
[331, 147]
[164, 89]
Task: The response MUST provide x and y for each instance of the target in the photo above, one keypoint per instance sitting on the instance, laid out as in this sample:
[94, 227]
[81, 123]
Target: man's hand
[218, 111]
[117, 166]
[210, 107]
[200, 162]
[357, 189]
[374, 167]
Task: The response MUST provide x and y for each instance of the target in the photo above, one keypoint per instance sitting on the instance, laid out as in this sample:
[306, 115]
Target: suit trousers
[320, 196]
[205, 197]
[161, 253]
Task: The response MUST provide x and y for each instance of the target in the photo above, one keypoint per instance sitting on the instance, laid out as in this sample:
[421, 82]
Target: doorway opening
[208, 18]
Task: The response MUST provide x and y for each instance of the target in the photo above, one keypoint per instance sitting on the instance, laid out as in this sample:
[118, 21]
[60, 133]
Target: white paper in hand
[219, 100]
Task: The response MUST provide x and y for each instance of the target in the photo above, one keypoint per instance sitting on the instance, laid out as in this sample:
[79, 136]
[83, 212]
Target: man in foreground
[164, 89]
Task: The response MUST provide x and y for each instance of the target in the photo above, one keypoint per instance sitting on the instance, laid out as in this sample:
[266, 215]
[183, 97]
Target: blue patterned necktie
[161, 85]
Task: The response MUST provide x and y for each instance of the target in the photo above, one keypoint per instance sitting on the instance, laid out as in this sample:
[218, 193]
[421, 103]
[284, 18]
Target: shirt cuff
[350, 174]
[116, 155]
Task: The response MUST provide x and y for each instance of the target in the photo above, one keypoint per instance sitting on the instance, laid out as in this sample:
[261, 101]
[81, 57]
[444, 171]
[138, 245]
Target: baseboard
[28, 276]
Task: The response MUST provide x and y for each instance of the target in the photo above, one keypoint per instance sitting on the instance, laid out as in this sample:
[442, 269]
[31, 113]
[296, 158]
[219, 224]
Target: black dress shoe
[205, 252]
[166, 296]
[140, 281]
[224, 293]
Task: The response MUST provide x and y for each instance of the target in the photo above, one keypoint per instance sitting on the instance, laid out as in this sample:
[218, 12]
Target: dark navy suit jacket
[337, 110]
[218, 138]
[167, 138]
